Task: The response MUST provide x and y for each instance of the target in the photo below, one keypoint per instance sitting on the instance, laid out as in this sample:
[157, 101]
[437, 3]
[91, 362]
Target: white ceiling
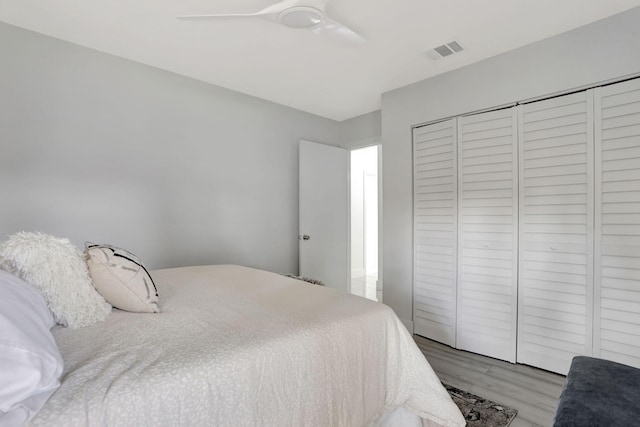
[295, 67]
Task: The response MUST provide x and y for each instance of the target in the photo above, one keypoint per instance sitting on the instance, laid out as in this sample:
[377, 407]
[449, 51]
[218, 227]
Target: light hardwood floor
[533, 392]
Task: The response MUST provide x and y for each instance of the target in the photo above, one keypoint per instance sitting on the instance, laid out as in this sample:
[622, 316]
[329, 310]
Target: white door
[556, 231]
[323, 227]
[435, 195]
[488, 233]
[617, 256]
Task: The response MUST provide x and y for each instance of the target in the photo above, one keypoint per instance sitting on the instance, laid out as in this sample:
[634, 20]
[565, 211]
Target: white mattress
[235, 346]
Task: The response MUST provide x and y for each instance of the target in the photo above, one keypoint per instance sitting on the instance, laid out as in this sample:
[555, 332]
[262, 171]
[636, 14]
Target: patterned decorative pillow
[121, 279]
[55, 267]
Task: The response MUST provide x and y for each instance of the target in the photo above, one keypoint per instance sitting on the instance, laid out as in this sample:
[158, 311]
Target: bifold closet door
[555, 290]
[435, 217]
[487, 233]
[617, 257]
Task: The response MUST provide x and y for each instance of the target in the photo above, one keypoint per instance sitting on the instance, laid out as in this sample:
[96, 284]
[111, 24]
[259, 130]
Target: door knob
[306, 237]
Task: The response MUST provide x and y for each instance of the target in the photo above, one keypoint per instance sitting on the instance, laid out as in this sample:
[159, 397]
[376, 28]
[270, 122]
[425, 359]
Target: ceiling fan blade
[338, 33]
[226, 15]
[274, 9]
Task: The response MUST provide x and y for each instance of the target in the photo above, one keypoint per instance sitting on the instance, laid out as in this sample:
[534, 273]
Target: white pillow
[121, 279]
[59, 271]
[30, 363]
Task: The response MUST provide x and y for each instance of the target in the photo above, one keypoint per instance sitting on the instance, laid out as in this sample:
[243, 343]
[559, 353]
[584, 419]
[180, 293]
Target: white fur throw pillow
[121, 279]
[59, 271]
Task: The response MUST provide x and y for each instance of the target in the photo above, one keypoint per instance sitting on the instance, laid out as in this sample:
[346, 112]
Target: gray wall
[607, 49]
[361, 131]
[94, 147]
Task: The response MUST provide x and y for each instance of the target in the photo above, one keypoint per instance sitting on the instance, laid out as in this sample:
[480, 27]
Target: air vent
[445, 50]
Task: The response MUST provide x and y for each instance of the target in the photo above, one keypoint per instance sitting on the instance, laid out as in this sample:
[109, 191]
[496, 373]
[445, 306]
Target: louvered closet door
[555, 291]
[435, 216]
[487, 233]
[617, 258]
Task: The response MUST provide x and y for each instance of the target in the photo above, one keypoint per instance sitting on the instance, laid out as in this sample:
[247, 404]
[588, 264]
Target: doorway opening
[364, 222]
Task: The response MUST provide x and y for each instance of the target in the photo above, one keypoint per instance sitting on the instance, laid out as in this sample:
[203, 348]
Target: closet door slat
[555, 302]
[435, 228]
[487, 234]
[617, 257]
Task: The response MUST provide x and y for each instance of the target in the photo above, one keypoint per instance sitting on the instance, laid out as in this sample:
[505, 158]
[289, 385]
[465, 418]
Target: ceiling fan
[309, 14]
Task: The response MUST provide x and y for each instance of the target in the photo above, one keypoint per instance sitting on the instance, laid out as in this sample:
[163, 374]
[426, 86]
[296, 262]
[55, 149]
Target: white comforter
[236, 346]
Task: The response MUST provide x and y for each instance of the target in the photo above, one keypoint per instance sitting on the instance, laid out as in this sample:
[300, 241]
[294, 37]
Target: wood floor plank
[528, 383]
[516, 391]
[521, 422]
[533, 392]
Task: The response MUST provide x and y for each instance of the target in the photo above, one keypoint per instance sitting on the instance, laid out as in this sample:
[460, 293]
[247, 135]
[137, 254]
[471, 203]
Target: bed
[93, 339]
[236, 346]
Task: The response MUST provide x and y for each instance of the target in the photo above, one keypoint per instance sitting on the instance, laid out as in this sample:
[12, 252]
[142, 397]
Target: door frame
[356, 145]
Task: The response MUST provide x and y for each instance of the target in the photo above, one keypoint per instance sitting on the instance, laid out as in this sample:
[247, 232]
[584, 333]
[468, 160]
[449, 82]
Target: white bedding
[235, 346]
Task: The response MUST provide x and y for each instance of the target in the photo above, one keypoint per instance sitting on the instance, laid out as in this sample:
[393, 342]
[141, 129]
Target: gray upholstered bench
[599, 392]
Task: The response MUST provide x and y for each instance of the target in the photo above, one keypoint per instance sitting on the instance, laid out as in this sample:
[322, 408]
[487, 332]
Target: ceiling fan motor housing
[301, 17]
